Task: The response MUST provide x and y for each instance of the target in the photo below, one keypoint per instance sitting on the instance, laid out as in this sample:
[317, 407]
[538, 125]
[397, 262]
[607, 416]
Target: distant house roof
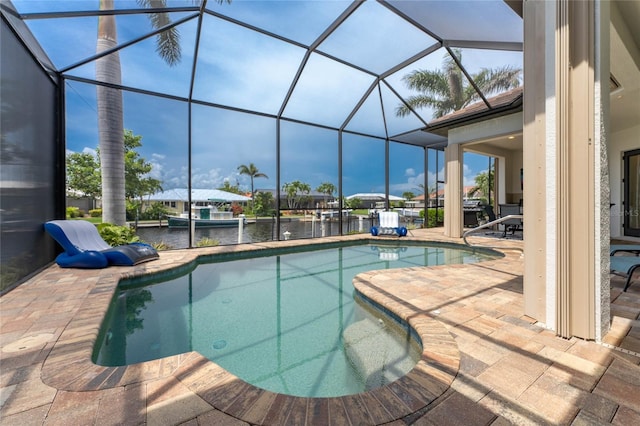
[312, 193]
[374, 196]
[197, 195]
[466, 190]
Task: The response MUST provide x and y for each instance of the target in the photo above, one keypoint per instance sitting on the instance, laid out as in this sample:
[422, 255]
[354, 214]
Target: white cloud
[468, 175]
[87, 150]
[156, 169]
[210, 179]
[413, 184]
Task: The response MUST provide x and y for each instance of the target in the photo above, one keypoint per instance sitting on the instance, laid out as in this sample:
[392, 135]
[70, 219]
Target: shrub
[432, 221]
[73, 212]
[161, 245]
[236, 209]
[95, 212]
[263, 204]
[132, 210]
[116, 235]
[154, 212]
[207, 242]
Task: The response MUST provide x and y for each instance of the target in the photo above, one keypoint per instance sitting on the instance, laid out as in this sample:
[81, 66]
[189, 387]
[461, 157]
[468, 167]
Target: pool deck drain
[483, 361]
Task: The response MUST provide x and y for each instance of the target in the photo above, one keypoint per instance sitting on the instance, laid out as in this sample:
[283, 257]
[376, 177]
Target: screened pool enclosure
[314, 94]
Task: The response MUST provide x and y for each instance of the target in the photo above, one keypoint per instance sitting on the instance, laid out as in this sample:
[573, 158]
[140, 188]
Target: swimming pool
[285, 321]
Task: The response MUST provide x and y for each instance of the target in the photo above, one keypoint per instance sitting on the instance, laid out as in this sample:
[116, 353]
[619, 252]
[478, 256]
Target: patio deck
[484, 362]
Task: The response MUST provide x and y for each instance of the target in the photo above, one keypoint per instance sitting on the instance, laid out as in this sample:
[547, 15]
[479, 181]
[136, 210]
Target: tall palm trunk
[110, 122]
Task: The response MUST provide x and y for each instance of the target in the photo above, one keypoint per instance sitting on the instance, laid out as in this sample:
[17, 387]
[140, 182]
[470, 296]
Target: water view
[252, 232]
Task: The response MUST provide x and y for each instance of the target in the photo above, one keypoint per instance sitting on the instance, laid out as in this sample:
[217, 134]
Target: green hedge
[73, 212]
[432, 221]
[117, 235]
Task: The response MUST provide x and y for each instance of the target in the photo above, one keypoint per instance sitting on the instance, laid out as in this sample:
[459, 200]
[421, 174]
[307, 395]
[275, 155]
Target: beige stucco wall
[565, 133]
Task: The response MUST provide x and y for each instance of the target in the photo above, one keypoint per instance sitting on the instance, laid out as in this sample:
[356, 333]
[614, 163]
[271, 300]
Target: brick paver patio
[483, 362]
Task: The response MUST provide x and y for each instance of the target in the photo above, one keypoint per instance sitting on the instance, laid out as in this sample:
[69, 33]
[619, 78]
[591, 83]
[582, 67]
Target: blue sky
[244, 69]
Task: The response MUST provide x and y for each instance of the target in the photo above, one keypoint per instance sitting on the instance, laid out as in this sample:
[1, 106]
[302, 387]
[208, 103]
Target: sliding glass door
[632, 193]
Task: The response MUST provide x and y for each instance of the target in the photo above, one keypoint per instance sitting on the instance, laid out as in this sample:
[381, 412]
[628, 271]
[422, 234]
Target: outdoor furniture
[488, 210]
[84, 247]
[471, 209]
[514, 224]
[389, 225]
[627, 248]
[625, 265]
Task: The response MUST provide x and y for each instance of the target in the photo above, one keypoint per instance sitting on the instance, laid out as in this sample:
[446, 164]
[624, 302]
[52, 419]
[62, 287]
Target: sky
[246, 70]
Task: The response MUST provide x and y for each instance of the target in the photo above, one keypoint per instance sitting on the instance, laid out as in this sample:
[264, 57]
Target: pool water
[288, 322]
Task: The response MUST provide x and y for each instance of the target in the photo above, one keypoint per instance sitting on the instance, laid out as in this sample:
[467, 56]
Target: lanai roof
[337, 64]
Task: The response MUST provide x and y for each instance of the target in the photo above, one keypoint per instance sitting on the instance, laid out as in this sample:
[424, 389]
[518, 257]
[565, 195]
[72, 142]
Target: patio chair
[84, 247]
[512, 225]
[625, 265]
[489, 212]
[625, 248]
[389, 225]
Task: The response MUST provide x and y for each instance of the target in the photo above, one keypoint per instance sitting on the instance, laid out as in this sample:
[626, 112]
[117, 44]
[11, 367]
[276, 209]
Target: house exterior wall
[565, 284]
[507, 173]
[453, 191]
[538, 133]
[500, 126]
[508, 163]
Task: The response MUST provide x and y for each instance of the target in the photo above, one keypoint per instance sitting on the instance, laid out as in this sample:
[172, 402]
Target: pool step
[376, 356]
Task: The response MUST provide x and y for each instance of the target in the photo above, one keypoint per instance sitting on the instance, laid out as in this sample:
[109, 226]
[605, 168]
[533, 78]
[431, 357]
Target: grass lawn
[93, 220]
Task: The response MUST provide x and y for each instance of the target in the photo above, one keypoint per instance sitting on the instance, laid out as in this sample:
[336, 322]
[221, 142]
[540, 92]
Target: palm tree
[326, 188]
[109, 100]
[484, 185]
[110, 121]
[447, 90]
[252, 171]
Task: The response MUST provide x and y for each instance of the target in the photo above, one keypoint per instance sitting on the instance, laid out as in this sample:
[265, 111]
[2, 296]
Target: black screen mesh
[27, 162]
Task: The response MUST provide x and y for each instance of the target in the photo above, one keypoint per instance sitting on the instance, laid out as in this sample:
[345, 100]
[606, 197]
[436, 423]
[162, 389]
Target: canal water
[253, 232]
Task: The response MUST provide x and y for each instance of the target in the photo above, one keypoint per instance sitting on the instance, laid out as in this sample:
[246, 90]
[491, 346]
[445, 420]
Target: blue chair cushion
[625, 265]
[84, 247]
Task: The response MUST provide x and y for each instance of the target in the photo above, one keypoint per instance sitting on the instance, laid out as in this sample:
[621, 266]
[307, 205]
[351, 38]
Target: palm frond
[167, 42]
[498, 79]
[168, 46]
[427, 81]
[402, 110]
[470, 96]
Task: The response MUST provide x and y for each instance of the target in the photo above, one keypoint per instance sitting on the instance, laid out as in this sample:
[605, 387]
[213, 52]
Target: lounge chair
[625, 265]
[512, 225]
[84, 247]
[389, 225]
[630, 248]
[490, 213]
